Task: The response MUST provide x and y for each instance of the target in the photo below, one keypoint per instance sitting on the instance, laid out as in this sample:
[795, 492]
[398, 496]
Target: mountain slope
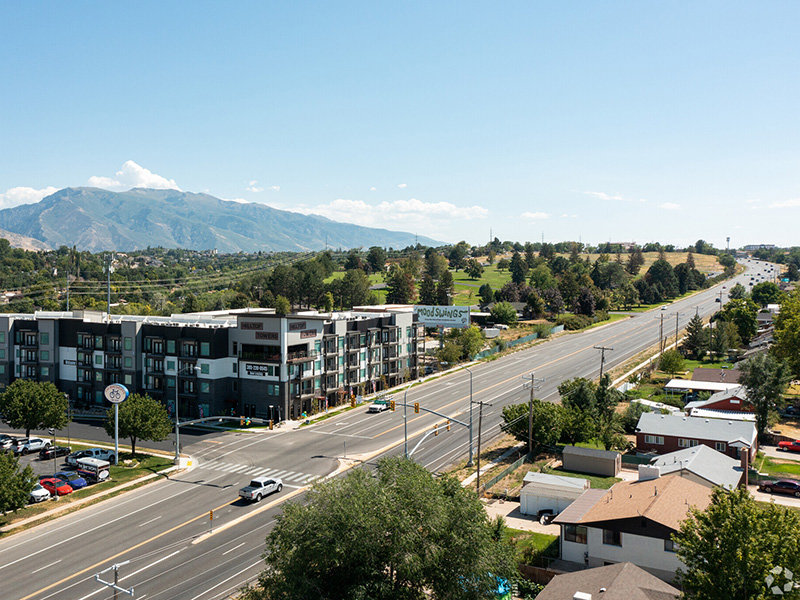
[96, 219]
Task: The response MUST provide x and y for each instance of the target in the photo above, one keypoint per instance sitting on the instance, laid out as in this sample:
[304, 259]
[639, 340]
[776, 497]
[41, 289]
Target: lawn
[596, 481]
[776, 467]
[466, 289]
[531, 545]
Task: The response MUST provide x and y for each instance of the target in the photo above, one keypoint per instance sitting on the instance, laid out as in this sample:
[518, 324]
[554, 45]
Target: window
[317, 346]
[170, 382]
[44, 355]
[575, 533]
[128, 379]
[128, 362]
[98, 359]
[654, 439]
[2, 369]
[44, 339]
[128, 343]
[341, 343]
[205, 387]
[98, 342]
[234, 366]
[612, 538]
[2, 353]
[170, 365]
[205, 369]
[720, 446]
[45, 371]
[686, 443]
[171, 347]
[2, 337]
[98, 376]
[205, 348]
[670, 546]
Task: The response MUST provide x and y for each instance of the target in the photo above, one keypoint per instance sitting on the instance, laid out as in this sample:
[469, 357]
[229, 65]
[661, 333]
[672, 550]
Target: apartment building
[248, 362]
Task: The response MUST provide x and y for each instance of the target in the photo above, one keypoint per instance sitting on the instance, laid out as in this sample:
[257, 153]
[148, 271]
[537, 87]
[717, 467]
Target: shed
[591, 461]
[543, 491]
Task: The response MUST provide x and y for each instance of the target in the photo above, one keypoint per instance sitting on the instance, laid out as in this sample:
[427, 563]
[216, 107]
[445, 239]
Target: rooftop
[555, 480]
[622, 581]
[704, 462]
[736, 393]
[722, 430]
[718, 375]
[682, 385]
[594, 452]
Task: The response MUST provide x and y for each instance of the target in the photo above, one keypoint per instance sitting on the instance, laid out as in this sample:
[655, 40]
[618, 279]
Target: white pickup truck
[99, 453]
[260, 487]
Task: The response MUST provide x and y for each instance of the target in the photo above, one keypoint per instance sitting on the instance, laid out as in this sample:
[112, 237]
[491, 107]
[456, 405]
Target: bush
[543, 330]
[574, 322]
[600, 315]
[630, 417]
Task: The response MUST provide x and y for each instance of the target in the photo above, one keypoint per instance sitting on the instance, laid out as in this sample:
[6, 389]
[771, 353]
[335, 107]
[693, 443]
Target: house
[591, 461]
[690, 385]
[666, 433]
[621, 581]
[716, 375]
[700, 464]
[656, 406]
[543, 491]
[632, 522]
[732, 400]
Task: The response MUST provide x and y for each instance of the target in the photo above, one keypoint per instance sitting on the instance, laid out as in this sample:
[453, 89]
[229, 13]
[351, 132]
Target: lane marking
[46, 566]
[150, 521]
[234, 548]
[255, 564]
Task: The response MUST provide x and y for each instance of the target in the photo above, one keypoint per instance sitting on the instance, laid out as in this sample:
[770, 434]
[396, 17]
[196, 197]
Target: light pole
[177, 421]
[469, 462]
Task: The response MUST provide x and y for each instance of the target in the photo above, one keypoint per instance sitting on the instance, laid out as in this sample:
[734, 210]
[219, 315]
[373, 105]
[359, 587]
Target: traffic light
[241, 421]
[270, 424]
[416, 407]
[436, 430]
[352, 402]
[391, 404]
[448, 426]
[247, 422]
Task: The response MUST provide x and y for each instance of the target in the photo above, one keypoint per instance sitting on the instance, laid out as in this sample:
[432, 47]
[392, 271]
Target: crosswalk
[250, 470]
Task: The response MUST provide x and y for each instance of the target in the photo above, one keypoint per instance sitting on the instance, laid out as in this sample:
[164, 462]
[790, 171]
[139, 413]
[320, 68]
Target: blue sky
[601, 121]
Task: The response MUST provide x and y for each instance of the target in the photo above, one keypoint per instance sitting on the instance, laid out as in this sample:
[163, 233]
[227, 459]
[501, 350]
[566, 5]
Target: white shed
[549, 492]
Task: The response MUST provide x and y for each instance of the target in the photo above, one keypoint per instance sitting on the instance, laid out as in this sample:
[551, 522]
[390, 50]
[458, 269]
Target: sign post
[116, 393]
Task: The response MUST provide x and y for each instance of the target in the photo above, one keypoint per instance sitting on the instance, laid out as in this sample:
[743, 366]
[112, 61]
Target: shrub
[574, 322]
[543, 330]
[600, 315]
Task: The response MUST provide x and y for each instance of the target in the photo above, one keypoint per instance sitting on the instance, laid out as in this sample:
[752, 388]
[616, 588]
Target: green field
[466, 289]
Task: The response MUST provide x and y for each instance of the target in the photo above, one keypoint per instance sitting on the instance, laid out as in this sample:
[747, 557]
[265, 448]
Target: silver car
[260, 487]
[39, 494]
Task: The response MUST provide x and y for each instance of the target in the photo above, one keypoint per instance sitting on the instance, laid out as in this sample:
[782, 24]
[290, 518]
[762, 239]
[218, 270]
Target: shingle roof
[703, 461]
[737, 392]
[688, 427]
[622, 581]
[575, 511]
[718, 375]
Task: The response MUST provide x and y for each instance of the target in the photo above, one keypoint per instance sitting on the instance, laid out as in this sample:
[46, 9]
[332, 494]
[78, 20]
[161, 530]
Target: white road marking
[150, 521]
[234, 548]
[135, 572]
[255, 564]
[46, 566]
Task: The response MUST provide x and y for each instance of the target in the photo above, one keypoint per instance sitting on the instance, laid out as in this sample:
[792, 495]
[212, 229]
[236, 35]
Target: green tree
[191, 304]
[450, 352]
[376, 258]
[503, 264]
[635, 261]
[631, 414]
[33, 405]
[765, 293]
[518, 268]
[282, 306]
[504, 313]
[486, 294]
[355, 289]
[327, 302]
[542, 278]
[787, 333]
[402, 288]
[548, 420]
[474, 269]
[15, 484]
[140, 418]
[730, 547]
[661, 273]
[427, 290]
[458, 255]
[535, 305]
[696, 340]
[671, 362]
[765, 379]
[738, 292]
[444, 289]
[400, 534]
[742, 313]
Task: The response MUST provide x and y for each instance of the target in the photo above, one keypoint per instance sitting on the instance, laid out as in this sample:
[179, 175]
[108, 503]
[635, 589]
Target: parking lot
[42, 467]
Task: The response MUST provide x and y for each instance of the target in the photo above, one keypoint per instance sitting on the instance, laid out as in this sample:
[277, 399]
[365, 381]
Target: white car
[260, 487]
[99, 453]
[377, 407]
[26, 445]
[39, 494]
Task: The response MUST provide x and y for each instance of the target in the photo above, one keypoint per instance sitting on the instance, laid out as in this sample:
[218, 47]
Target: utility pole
[677, 314]
[478, 457]
[534, 385]
[115, 584]
[661, 335]
[108, 284]
[603, 354]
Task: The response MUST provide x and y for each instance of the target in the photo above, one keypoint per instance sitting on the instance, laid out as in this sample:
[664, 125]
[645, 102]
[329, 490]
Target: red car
[793, 446]
[782, 486]
[56, 486]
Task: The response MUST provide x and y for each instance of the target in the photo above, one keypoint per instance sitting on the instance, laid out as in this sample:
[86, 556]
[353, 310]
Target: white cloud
[373, 189]
[275, 188]
[253, 187]
[411, 214]
[237, 200]
[669, 206]
[24, 195]
[793, 203]
[402, 186]
[566, 216]
[612, 197]
[133, 175]
[535, 216]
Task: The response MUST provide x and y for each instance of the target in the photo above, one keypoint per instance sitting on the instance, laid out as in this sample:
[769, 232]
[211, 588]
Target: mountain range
[95, 219]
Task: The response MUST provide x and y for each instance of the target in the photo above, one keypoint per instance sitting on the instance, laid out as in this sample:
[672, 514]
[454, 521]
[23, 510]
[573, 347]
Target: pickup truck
[99, 453]
[260, 487]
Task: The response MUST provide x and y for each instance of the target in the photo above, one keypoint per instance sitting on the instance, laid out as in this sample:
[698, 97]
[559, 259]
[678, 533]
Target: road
[160, 528]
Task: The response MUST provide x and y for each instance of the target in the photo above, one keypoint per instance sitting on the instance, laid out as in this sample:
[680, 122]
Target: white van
[94, 469]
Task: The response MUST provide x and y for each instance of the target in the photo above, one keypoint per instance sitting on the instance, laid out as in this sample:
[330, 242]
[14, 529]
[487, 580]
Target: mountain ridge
[95, 219]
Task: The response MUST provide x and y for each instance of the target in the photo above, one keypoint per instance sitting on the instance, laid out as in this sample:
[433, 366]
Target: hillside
[95, 219]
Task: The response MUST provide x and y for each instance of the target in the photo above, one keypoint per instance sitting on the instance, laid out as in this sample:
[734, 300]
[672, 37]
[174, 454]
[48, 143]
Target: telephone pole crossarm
[603, 350]
[533, 384]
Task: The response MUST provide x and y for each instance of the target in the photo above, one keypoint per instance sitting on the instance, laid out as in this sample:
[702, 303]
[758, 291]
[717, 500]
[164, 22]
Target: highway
[162, 529]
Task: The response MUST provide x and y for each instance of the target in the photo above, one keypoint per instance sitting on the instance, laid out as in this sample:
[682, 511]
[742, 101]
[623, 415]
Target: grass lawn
[776, 467]
[691, 364]
[596, 481]
[530, 544]
[466, 289]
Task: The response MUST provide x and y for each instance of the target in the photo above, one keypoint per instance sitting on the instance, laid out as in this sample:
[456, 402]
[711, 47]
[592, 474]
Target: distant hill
[21, 241]
[95, 219]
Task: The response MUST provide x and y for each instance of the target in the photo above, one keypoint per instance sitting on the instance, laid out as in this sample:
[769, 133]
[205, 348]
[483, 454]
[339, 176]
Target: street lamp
[178, 372]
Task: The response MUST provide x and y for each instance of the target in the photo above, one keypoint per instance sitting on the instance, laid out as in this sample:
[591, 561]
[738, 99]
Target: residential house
[621, 581]
[717, 375]
[543, 492]
[632, 522]
[732, 400]
[666, 433]
[701, 464]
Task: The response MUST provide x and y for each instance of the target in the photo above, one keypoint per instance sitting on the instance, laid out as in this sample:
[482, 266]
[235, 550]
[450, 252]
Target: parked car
[781, 486]
[793, 446]
[54, 452]
[72, 478]
[56, 486]
[791, 411]
[7, 442]
[27, 445]
[38, 494]
[100, 453]
[260, 487]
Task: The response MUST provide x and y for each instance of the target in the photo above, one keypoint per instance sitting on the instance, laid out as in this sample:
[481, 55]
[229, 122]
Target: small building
[543, 491]
[591, 461]
[682, 386]
[700, 464]
[666, 433]
[620, 581]
[732, 400]
[656, 406]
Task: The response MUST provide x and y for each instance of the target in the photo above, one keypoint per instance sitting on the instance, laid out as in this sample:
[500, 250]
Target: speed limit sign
[116, 393]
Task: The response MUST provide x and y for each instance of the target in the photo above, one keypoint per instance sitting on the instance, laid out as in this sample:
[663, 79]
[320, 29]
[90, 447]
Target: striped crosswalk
[252, 471]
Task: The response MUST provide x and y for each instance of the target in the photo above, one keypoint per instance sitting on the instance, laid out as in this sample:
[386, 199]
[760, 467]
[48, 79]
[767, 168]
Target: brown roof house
[622, 581]
[631, 522]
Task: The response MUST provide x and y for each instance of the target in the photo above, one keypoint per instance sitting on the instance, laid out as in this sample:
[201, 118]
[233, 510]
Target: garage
[542, 492]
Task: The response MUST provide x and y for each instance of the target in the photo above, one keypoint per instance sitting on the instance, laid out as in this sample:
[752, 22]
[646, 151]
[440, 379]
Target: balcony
[260, 357]
[301, 356]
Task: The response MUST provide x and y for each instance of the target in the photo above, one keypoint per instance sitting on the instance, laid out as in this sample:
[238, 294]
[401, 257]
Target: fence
[522, 340]
[509, 469]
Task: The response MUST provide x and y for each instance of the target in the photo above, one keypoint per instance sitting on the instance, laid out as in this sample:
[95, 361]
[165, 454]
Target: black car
[782, 486]
[53, 452]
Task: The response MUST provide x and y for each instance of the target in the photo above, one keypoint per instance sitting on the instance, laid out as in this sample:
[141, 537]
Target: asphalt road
[161, 528]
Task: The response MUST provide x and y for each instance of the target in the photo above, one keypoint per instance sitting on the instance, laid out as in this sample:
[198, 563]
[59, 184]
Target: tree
[518, 268]
[548, 420]
[140, 418]
[435, 263]
[486, 294]
[553, 301]
[635, 261]
[327, 302]
[353, 260]
[765, 379]
[399, 534]
[503, 312]
[535, 306]
[671, 362]
[743, 314]
[765, 293]
[690, 260]
[474, 269]
[730, 547]
[33, 405]
[738, 292]
[15, 484]
[470, 339]
[427, 290]
[282, 306]
[696, 340]
[444, 289]
[787, 333]
[542, 278]
[662, 273]
[584, 302]
[354, 289]
[402, 288]
[191, 304]
[458, 254]
[503, 264]
[376, 258]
